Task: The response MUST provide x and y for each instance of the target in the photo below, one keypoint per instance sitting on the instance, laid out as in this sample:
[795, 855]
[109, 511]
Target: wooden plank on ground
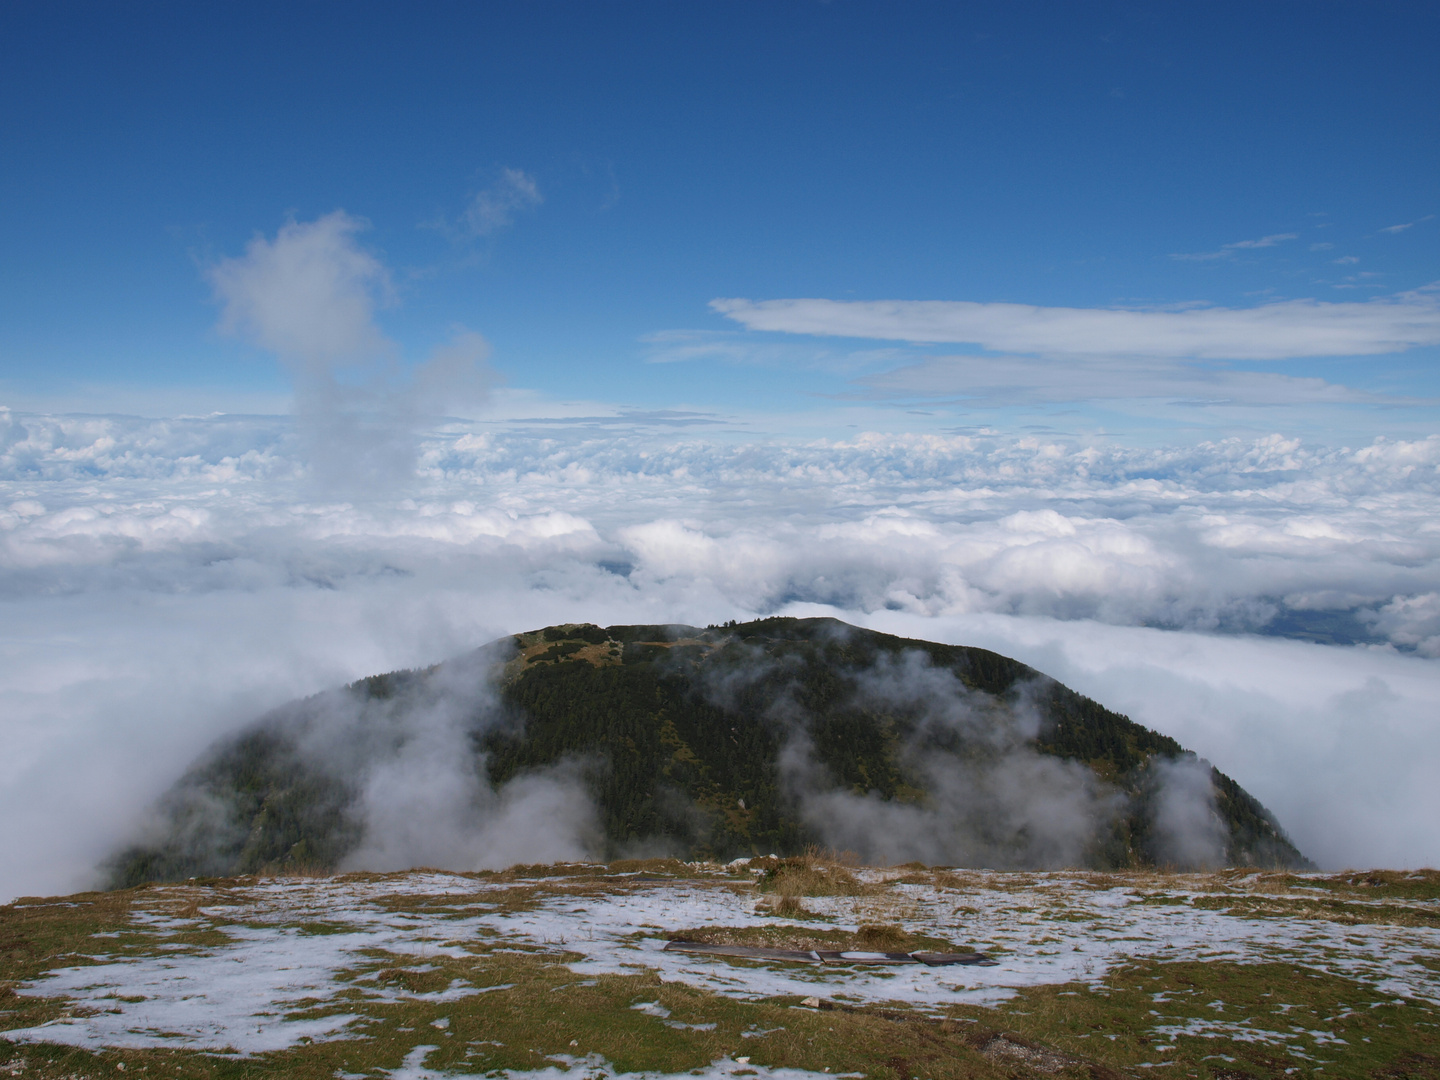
[829, 956]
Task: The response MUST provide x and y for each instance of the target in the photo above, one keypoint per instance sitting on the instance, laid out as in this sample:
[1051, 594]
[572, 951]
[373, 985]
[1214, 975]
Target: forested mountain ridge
[742, 739]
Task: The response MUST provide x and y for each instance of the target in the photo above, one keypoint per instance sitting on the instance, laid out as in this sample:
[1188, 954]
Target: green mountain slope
[761, 737]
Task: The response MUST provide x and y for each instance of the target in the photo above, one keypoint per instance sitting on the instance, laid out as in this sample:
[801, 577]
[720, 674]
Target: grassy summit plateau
[746, 739]
[562, 971]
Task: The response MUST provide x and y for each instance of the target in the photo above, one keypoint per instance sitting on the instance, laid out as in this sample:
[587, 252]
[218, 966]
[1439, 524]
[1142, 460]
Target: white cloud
[166, 580]
[1291, 328]
[310, 296]
[1340, 744]
[1189, 833]
[1412, 621]
[1240, 245]
[1263, 242]
[1203, 536]
[1346, 260]
[494, 208]
[1397, 228]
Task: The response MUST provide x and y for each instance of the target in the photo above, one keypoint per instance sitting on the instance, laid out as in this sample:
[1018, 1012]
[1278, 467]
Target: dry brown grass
[882, 937]
[815, 873]
[788, 904]
[416, 982]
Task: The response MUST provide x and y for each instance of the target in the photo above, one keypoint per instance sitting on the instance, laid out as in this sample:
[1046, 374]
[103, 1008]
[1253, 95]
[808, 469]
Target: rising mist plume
[310, 296]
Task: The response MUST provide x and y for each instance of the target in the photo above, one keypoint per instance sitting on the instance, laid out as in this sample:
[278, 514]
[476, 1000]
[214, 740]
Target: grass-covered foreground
[548, 971]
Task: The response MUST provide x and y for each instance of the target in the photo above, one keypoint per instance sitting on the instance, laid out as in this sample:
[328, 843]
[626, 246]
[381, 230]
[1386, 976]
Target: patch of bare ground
[1410, 1067]
[1391, 884]
[416, 982]
[1310, 907]
[1030, 1057]
[512, 900]
[1017, 1056]
[874, 937]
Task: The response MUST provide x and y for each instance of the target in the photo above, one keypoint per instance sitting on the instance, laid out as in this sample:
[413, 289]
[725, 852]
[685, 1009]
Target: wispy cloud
[998, 381]
[1365, 279]
[632, 418]
[1263, 242]
[1240, 245]
[1346, 260]
[737, 347]
[1291, 328]
[729, 346]
[1393, 229]
[494, 208]
[310, 296]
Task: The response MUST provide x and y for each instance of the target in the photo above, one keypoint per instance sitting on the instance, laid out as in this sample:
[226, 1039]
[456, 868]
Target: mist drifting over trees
[579, 742]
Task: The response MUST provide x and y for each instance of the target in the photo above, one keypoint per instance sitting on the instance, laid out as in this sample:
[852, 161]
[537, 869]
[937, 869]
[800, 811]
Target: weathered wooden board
[829, 956]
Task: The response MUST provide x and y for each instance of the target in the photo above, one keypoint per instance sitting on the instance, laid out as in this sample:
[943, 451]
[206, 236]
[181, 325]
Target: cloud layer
[166, 580]
[1228, 535]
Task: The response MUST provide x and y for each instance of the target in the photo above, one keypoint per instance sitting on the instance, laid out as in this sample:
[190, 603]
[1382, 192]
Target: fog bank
[165, 581]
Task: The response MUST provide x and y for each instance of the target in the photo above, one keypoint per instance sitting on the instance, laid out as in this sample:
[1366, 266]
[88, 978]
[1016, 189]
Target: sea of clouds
[164, 581]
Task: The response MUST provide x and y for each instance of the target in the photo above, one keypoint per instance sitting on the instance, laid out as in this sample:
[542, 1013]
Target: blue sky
[634, 162]
[342, 338]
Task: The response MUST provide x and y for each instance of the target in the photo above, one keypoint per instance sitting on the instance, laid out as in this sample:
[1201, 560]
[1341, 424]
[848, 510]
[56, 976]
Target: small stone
[811, 1003]
[574, 1042]
[742, 1061]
